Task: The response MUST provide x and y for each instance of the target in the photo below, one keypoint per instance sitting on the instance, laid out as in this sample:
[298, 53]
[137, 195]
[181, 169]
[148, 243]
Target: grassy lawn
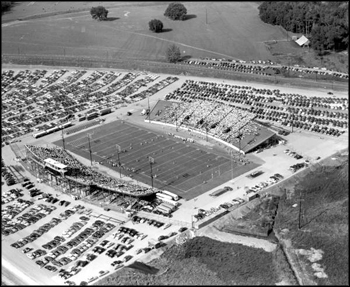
[233, 29]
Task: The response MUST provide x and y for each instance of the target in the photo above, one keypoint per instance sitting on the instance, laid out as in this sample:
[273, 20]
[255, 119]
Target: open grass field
[183, 168]
[233, 30]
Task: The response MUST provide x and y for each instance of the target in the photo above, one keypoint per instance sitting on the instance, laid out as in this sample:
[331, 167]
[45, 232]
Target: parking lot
[62, 230]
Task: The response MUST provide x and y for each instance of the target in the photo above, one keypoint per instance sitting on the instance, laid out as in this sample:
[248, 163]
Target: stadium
[161, 160]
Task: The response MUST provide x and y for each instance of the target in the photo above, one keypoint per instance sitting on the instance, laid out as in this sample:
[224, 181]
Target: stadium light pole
[231, 155]
[149, 110]
[151, 161]
[64, 146]
[88, 136]
[118, 152]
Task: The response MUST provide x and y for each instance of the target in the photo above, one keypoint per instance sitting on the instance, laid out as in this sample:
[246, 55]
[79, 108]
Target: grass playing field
[213, 29]
[184, 168]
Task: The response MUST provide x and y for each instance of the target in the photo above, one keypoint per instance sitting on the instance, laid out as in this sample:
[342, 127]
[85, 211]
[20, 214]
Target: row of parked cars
[97, 226]
[151, 222]
[8, 226]
[293, 154]
[297, 166]
[73, 229]
[39, 232]
[11, 195]
[9, 178]
[272, 179]
[235, 202]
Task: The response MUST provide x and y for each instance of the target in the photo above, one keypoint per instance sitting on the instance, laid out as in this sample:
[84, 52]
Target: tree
[99, 13]
[6, 6]
[176, 11]
[173, 53]
[155, 25]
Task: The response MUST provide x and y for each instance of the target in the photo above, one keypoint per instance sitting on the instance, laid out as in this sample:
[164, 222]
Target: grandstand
[218, 120]
[58, 163]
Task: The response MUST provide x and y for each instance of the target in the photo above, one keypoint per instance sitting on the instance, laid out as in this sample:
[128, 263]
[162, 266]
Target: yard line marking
[134, 152]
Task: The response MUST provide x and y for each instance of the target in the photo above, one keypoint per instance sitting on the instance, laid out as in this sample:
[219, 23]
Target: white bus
[65, 125]
[54, 129]
[39, 134]
[162, 196]
[170, 202]
[173, 195]
[54, 165]
[163, 209]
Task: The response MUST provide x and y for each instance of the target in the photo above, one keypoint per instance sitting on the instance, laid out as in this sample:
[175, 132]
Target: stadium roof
[302, 41]
[55, 163]
[252, 141]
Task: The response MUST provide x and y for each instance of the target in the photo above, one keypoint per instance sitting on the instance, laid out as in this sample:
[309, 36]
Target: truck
[145, 112]
[105, 111]
[163, 209]
[91, 116]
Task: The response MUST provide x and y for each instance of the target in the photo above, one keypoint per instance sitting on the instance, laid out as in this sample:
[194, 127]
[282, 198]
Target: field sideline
[126, 35]
[179, 167]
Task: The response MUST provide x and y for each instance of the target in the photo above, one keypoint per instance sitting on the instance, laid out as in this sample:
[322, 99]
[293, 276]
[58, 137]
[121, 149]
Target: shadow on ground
[112, 18]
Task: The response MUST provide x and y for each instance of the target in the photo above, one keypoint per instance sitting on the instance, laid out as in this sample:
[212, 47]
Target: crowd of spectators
[266, 68]
[326, 115]
[86, 175]
[219, 120]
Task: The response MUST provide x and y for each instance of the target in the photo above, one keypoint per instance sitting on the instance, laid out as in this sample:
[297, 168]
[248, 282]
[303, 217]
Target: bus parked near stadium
[169, 202]
[173, 195]
[39, 134]
[55, 166]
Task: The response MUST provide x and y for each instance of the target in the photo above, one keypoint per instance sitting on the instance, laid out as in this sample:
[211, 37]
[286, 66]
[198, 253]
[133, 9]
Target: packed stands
[86, 175]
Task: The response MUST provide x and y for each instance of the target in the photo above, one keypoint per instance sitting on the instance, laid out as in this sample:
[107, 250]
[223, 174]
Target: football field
[181, 167]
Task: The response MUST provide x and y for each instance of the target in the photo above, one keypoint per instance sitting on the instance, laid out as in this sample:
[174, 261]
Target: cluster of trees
[155, 25]
[325, 23]
[99, 13]
[176, 11]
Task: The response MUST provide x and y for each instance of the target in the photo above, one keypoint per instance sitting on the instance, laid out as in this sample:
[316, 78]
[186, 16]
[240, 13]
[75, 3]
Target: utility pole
[299, 210]
[118, 152]
[88, 136]
[151, 161]
[206, 16]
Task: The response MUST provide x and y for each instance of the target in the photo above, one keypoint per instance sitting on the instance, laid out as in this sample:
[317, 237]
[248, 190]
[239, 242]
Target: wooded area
[325, 23]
